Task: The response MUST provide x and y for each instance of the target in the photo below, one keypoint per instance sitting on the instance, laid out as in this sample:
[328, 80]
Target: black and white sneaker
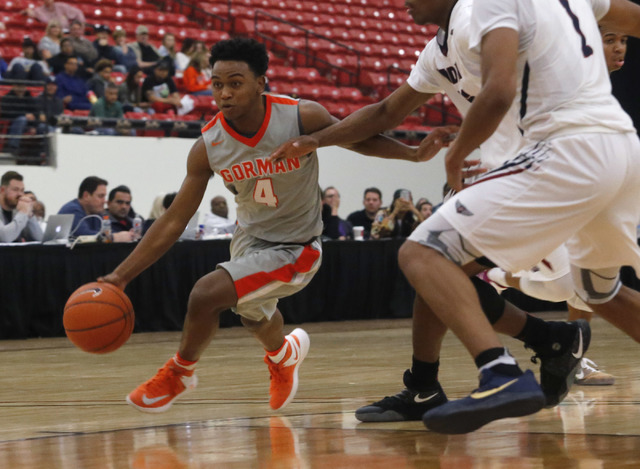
[408, 404]
[560, 363]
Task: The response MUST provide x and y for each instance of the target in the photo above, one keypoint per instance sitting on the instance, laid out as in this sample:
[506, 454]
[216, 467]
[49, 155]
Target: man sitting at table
[90, 201]
[16, 216]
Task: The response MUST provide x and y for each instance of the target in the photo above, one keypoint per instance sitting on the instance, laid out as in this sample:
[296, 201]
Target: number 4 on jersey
[263, 193]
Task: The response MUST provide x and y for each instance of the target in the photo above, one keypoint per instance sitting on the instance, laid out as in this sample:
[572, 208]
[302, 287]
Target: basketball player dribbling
[275, 250]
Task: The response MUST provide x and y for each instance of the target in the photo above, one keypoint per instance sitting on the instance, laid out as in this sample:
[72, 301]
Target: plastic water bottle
[137, 227]
[105, 235]
[200, 232]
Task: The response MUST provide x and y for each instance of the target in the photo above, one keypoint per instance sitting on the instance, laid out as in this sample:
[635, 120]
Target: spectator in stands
[372, 202]
[90, 201]
[101, 78]
[71, 88]
[29, 66]
[103, 48]
[160, 90]
[49, 106]
[49, 45]
[195, 79]
[425, 208]
[3, 66]
[109, 107]
[125, 55]
[130, 93]
[148, 56]
[17, 222]
[56, 63]
[217, 221]
[334, 226]
[184, 56]
[399, 220]
[20, 108]
[63, 12]
[160, 205]
[83, 46]
[168, 46]
[118, 206]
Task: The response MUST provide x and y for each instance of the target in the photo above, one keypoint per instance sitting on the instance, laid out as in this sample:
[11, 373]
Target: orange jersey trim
[211, 123]
[254, 282]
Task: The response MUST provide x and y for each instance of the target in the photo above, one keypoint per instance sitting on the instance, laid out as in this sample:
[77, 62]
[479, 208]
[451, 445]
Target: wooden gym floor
[62, 408]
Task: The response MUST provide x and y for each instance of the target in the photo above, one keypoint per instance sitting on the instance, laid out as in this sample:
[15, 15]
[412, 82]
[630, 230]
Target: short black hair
[10, 176]
[168, 199]
[90, 184]
[373, 189]
[242, 49]
[112, 193]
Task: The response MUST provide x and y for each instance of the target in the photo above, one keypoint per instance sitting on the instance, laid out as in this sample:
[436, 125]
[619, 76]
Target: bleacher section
[342, 53]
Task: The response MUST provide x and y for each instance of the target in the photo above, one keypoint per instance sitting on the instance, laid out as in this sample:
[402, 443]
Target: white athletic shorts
[554, 266]
[263, 272]
[583, 189]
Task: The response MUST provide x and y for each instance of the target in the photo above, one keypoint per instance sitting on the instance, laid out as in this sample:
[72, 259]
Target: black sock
[492, 354]
[424, 374]
[547, 337]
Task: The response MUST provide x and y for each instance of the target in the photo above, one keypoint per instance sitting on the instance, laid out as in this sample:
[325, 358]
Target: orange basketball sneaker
[284, 373]
[158, 393]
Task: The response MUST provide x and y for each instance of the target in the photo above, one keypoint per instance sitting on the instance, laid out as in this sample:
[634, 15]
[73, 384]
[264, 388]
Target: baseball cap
[102, 28]
[142, 29]
[50, 79]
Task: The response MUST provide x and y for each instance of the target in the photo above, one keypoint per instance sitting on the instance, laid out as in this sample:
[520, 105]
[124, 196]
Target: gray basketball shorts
[264, 272]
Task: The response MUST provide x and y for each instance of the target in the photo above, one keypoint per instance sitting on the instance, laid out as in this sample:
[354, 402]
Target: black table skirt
[357, 280]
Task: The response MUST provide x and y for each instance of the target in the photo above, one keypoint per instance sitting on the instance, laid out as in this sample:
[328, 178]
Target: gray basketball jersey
[277, 202]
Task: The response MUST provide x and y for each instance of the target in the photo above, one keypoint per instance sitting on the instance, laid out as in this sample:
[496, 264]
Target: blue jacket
[74, 86]
[90, 226]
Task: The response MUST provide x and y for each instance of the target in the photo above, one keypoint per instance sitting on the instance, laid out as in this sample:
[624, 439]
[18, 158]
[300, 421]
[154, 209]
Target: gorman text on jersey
[259, 167]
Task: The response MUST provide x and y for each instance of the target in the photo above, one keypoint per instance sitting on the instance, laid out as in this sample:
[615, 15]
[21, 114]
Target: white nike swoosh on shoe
[579, 354]
[420, 400]
[150, 401]
[295, 353]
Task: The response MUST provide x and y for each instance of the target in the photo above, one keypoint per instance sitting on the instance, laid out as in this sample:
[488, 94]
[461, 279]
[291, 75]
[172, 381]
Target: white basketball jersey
[564, 85]
[447, 65]
[277, 202]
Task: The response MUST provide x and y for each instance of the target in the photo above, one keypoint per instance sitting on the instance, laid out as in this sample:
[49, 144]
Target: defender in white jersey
[447, 65]
[576, 180]
[388, 113]
[275, 250]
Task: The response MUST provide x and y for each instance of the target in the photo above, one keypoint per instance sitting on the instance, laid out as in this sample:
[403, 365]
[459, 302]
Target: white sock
[504, 359]
[280, 355]
[498, 275]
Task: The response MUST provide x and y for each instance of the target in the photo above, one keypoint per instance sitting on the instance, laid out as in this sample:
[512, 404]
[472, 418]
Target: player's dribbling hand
[294, 148]
[437, 139]
[113, 279]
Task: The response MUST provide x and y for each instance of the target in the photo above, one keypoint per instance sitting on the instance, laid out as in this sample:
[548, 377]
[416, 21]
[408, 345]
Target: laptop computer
[58, 229]
[192, 227]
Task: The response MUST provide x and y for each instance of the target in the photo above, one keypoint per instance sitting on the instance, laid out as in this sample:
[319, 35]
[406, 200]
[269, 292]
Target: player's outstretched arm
[623, 17]
[366, 122]
[167, 229]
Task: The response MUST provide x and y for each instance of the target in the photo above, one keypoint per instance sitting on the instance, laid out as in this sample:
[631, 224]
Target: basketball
[98, 318]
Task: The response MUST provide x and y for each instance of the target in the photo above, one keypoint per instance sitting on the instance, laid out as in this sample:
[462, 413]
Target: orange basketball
[98, 317]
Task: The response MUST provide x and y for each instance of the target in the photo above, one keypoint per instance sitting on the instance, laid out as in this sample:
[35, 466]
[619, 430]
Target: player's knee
[596, 286]
[490, 300]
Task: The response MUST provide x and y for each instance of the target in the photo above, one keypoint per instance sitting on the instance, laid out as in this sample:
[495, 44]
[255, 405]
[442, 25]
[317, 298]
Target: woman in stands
[49, 45]
[195, 80]
[125, 55]
[130, 93]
